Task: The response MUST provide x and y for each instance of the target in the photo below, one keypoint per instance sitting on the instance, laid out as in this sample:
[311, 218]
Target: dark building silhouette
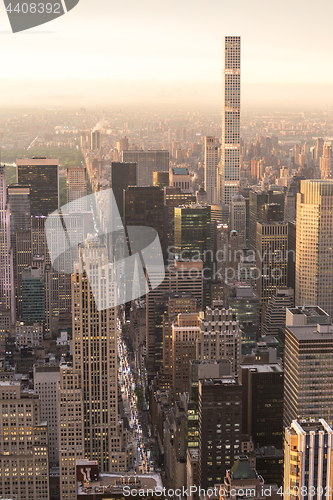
[42, 175]
[122, 176]
[220, 428]
[262, 384]
[257, 199]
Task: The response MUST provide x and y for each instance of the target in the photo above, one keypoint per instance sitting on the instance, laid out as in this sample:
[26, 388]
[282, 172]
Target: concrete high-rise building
[7, 289]
[23, 260]
[46, 380]
[180, 277]
[306, 315]
[144, 206]
[314, 243]
[5, 324]
[174, 197]
[95, 140]
[258, 199]
[176, 304]
[308, 459]
[24, 464]
[161, 179]
[42, 175]
[122, 144]
[95, 358]
[291, 259]
[33, 296]
[77, 188]
[71, 437]
[211, 168]
[193, 233]
[308, 373]
[180, 177]
[275, 314]
[243, 301]
[185, 333]
[220, 428]
[326, 161]
[238, 218]
[123, 175]
[193, 239]
[230, 150]
[220, 336]
[147, 162]
[271, 257]
[262, 401]
[20, 212]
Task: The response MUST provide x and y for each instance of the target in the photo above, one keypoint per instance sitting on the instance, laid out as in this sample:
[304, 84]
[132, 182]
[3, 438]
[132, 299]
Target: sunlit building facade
[230, 151]
[314, 243]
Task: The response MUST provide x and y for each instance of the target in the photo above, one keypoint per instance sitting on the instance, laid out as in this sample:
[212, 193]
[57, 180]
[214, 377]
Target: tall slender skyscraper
[229, 167]
[314, 243]
[7, 300]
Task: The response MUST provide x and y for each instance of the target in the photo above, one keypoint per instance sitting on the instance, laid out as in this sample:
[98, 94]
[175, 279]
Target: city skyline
[183, 64]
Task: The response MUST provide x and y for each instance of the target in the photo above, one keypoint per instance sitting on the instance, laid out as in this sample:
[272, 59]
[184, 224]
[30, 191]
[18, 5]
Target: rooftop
[269, 368]
[308, 311]
[312, 332]
[114, 483]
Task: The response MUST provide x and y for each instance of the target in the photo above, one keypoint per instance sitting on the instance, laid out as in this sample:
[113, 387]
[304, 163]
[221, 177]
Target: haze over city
[169, 54]
[166, 250]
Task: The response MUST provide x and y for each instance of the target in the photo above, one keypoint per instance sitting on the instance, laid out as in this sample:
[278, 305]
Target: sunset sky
[170, 51]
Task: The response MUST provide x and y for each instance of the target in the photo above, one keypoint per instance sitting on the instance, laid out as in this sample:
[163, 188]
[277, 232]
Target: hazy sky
[121, 51]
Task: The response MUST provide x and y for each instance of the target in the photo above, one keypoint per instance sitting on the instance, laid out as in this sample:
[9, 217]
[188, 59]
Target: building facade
[24, 464]
[314, 241]
[230, 150]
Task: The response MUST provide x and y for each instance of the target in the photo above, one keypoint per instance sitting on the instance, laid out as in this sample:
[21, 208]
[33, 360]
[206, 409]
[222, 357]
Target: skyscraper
[308, 457]
[42, 175]
[257, 199]
[238, 218]
[193, 239]
[271, 257]
[122, 176]
[70, 429]
[314, 243]
[326, 161]
[77, 188]
[220, 336]
[33, 296]
[144, 206]
[181, 277]
[95, 140]
[230, 151]
[46, 379]
[308, 369]
[220, 428]
[173, 197]
[210, 168]
[24, 464]
[147, 162]
[192, 232]
[7, 300]
[95, 357]
[262, 401]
